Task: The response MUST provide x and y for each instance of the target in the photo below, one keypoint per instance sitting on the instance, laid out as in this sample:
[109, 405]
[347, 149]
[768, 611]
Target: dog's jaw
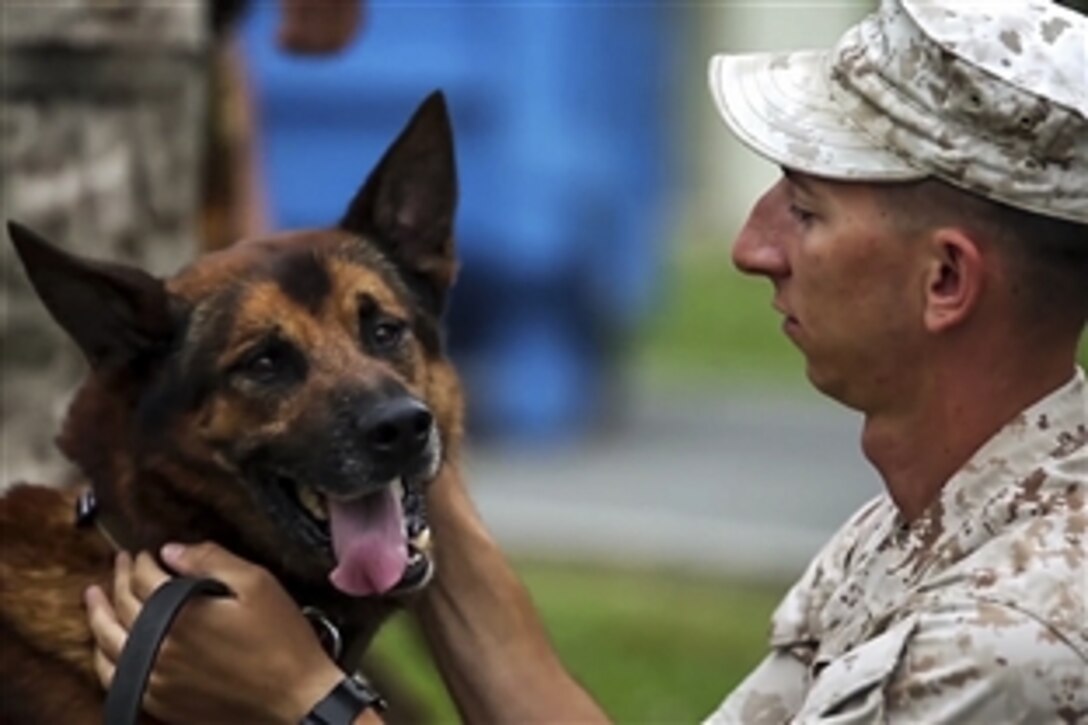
[372, 541]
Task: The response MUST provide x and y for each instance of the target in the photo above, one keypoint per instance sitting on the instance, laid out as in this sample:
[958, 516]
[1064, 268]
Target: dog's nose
[397, 430]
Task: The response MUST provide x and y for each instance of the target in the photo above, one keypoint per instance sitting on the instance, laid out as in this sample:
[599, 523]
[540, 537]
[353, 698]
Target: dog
[287, 397]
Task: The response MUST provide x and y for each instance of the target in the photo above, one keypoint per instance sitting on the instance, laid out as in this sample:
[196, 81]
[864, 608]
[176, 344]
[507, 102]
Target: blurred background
[642, 437]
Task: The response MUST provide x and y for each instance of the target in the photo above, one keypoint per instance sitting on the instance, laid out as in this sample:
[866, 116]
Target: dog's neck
[343, 646]
[111, 527]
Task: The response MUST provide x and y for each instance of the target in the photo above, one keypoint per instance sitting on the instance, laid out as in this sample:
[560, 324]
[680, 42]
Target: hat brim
[781, 106]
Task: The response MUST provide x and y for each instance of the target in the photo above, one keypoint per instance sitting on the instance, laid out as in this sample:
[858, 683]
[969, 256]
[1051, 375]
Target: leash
[134, 665]
[126, 692]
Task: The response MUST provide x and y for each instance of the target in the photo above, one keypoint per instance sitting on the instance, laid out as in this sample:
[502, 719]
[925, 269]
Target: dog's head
[288, 394]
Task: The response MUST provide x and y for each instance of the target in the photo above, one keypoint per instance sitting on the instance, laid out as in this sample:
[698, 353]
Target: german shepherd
[287, 397]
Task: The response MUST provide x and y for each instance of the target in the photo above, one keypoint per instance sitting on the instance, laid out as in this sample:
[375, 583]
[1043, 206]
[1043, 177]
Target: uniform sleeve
[964, 663]
[770, 694]
[773, 692]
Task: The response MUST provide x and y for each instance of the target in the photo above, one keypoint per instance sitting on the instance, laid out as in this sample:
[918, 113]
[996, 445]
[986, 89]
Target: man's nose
[760, 246]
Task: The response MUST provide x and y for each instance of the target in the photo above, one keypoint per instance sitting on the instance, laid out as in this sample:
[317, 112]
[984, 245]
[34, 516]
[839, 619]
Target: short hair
[1049, 256]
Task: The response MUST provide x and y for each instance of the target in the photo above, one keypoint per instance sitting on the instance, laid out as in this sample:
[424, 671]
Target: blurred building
[563, 119]
[587, 144]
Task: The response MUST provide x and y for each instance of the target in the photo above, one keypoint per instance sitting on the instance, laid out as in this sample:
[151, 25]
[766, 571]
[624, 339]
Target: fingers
[205, 559]
[146, 576]
[210, 560]
[104, 668]
[109, 635]
[125, 604]
[109, 624]
[133, 582]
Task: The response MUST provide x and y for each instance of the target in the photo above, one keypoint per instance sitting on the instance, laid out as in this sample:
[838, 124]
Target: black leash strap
[148, 631]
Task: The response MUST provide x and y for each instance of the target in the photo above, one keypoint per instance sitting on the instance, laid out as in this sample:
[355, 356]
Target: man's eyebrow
[799, 180]
[796, 179]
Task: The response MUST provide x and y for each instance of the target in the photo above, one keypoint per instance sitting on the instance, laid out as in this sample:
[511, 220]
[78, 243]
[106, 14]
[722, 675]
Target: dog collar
[328, 632]
[88, 514]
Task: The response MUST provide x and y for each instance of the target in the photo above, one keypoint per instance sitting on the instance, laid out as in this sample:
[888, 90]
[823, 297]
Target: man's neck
[919, 447]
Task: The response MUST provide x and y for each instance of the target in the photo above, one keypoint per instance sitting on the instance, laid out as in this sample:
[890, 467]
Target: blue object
[560, 116]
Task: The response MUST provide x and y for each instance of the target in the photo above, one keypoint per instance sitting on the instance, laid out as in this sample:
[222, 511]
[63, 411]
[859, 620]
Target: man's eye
[385, 335]
[804, 216]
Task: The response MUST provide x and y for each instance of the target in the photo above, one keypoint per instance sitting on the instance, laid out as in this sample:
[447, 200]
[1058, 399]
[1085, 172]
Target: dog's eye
[273, 362]
[385, 335]
[262, 366]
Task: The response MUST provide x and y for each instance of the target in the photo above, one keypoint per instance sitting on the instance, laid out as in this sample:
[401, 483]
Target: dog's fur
[260, 361]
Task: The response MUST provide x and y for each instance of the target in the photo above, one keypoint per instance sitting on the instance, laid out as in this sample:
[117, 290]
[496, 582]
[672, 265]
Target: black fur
[303, 278]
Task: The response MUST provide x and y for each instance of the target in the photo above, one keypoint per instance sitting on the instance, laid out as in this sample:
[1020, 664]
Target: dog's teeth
[398, 488]
[422, 542]
[313, 502]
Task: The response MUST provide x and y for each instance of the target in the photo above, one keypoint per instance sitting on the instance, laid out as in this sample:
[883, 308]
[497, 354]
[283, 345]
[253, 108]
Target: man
[928, 247]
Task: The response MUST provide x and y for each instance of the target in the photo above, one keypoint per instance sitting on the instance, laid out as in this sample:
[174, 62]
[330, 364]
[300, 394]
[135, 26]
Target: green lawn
[716, 324]
[651, 647]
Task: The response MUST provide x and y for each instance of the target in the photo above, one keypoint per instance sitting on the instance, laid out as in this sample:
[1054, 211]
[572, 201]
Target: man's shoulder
[798, 615]
[1026, 549]
[1037, 564]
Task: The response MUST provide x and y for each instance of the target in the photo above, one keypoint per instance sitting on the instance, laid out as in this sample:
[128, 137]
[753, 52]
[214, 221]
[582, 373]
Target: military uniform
[976, 612]
[99, 151]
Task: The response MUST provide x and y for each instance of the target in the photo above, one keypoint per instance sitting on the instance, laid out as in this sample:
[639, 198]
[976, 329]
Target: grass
[715, 323]
[651, 647]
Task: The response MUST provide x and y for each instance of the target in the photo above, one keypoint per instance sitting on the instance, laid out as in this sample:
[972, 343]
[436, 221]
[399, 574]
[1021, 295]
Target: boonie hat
[989, 96]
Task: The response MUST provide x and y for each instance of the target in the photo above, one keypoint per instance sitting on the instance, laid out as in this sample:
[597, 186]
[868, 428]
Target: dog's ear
[407, 204]
[116, 314]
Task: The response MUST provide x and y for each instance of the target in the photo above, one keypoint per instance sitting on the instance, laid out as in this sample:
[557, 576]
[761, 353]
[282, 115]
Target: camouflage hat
[989, 96]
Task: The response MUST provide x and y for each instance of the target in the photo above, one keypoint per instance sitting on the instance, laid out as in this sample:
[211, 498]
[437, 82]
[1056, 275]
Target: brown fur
[161, 424]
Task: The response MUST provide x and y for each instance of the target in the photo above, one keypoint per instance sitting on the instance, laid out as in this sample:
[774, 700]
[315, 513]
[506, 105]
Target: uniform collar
[1014, 473]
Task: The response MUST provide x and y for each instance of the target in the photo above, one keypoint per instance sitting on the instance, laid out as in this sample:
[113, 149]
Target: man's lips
[790, 324]
[784, 311]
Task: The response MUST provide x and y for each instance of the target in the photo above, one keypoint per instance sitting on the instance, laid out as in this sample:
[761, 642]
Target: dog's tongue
[368, 540]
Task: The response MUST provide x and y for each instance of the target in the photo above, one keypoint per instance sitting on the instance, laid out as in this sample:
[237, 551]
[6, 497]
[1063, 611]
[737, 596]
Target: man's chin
[833, 386]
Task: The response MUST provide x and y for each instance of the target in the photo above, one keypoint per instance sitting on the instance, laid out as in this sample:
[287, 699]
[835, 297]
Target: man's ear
[115, 313]
[954, 278]
[407, 204]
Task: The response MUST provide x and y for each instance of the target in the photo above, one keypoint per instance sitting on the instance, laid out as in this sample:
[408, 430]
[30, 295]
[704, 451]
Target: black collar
[328, 632]
[89, 514]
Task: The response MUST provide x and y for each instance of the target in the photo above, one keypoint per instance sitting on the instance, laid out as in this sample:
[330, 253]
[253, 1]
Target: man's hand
[318, 27]
[248, 658]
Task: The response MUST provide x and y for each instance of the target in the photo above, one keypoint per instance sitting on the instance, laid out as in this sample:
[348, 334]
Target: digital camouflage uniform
[977, 612]
[99, 151]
